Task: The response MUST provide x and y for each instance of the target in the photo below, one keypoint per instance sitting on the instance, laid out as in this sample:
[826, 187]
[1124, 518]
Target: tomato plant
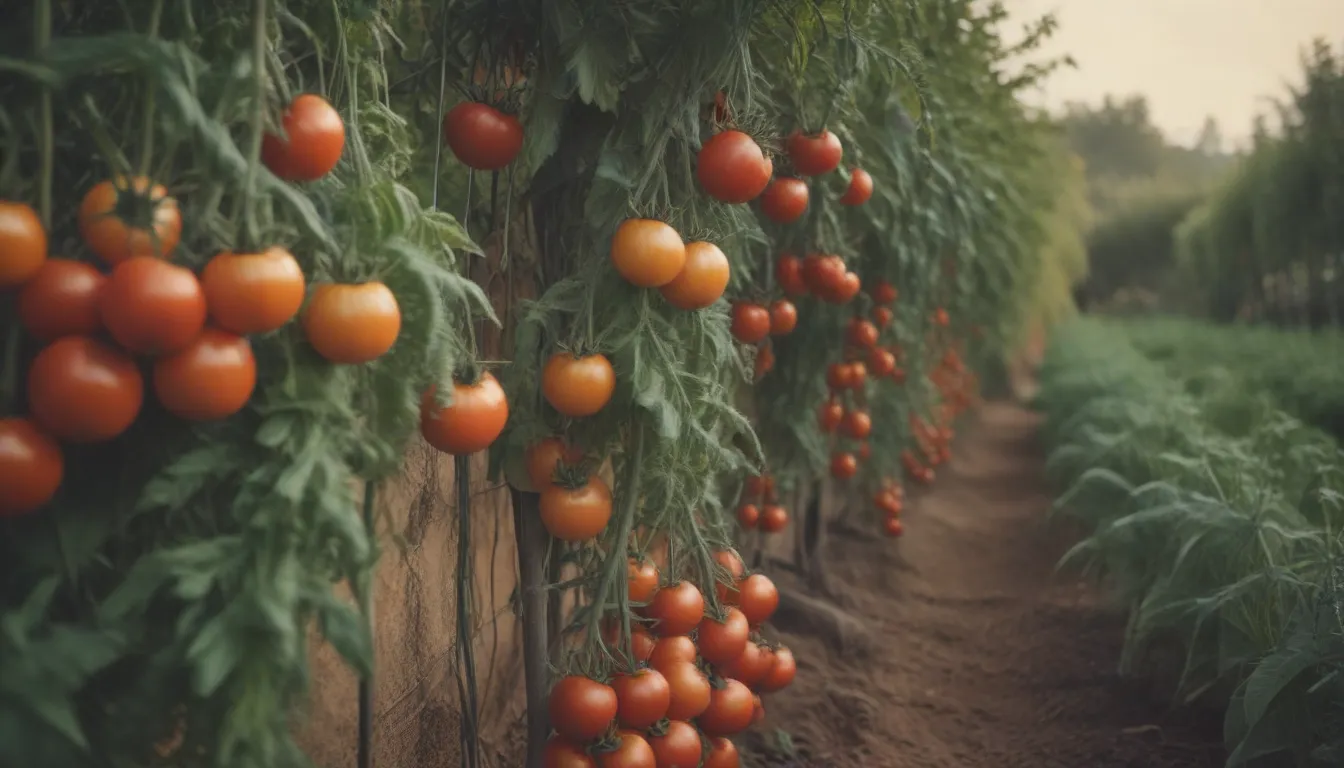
[470, 422]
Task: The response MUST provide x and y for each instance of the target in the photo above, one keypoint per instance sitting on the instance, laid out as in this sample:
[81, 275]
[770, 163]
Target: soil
[961, 646]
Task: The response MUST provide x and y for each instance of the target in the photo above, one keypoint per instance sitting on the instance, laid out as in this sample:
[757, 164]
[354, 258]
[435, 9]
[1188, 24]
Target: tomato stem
[248, 238]
[46, 140]
[614, 570]
[147, 129]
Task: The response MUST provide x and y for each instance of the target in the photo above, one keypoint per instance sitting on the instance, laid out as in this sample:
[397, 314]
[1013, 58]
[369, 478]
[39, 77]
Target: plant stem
[147, 131]
[613, 571]
[365, 757]
[47, 124]
[255, 128]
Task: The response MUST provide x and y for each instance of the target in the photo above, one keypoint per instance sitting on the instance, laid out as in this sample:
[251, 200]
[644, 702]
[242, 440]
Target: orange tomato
[253, 292]
[126, 218]
[471, 422]
[642, 580]
[61, 300]
[352, 323]
[642, 698]
[545, 456]
[581, 708]
[759, 598]
[84, 391]
[576, 514]
[701, 281]
[211, 378]
[722, 754]
[23, 244]
[31, 467]
[723, 641]
[578, 385]
[647, 253]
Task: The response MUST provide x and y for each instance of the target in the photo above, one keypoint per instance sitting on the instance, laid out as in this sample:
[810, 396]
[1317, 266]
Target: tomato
[211, 378]
[823, 273]
[701, 281]
[678, 747]
[151, 306]
[898, 376]
[857, 373]
[857, 425]
[729, 710]
[765, 361]
[31, 467]
[759, 598]
[837, 376]
[783, 317]
[642, 577]
[774, 519]
[721, 641]
[576, 514]
[861, 333]
[545, 456]
[578, 385]
[581, 708]
[127, 218]
[747, 515]
[847, 290]
[829, 416]
[641, 642]
[785, 200]
[865, 451]
[731, 562]
[631, 752]
[881, 362]
[884, 292]
[722, 754]
[940, 317]
[781, 673]
[844, 465]
[61, 300]
[732, 168]
[758, 710]
[253, 292]
[471, 422]
[751, 322]
[560, 753]
[860, 188]
[641, 698]
[314, 137]
[84, 391]
[815, 154]
[750, 667]
[789, 275]
[882, 316]
[23, 244]
[647, 253]
[672, 649]
[893, 527]
[352, 323]
[689, 687]
[676, 609]
[481, 136]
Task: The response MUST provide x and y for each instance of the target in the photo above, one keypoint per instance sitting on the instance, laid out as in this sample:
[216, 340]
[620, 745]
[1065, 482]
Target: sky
[1191, 58]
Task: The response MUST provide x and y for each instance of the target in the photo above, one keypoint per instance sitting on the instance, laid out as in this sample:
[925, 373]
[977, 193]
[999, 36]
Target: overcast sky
[1192, 58]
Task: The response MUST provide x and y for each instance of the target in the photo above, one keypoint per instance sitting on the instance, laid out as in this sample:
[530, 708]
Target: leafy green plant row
[1214, 517]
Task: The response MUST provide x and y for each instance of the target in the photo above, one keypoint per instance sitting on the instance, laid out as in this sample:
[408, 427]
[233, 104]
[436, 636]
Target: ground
[967, 649]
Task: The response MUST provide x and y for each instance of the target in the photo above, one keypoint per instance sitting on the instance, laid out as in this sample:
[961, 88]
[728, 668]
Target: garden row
[234, 299]
[1215, 517]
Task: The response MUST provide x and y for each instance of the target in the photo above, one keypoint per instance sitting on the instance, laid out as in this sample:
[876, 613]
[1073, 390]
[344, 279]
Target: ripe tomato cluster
[651, 254]
[692, 680]
[759, 506]
[956, 385]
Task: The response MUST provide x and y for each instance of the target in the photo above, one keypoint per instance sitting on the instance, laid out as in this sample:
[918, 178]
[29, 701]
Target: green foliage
[1215, 517]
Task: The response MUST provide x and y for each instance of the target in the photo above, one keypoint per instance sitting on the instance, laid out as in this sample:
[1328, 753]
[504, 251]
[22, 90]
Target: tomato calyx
[573, 476]
[136, 203]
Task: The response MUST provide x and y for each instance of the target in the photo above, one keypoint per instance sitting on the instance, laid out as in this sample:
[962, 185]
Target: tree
[1210, 141]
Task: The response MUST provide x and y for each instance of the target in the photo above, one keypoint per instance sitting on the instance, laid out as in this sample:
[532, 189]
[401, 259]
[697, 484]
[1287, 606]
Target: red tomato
[823, 274]
[830, 415]
[632, 751]
[151, 306]
[31, 467]
[84, 391]
[732, 168]
[894, 528]
[857, 425]
[642, 698]
[23, 244]
[211, 378]
[471, 422]
[844, 465]
[860, 188]
[789, 275]
[731, 562]
[816, 154]
[481, 136]
[884, 293]
[747, 515]
[882, 316]
[721, 641]
[751, 322]
[642, 580]
[881, 362]
[783, 317]
[750, 667]
[581, 708]
[313, 141]
[759, 598]
[672, 649]
[861, 333]
[560, 753]
[676, 609]
[785, 200]
[61, 300]
[781, 672]
[678, 747]
[722, 754]
[730, 709]
[774, 519]
[690, 690]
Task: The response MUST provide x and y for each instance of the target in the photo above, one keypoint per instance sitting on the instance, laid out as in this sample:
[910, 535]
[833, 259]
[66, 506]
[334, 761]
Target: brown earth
[966, 648]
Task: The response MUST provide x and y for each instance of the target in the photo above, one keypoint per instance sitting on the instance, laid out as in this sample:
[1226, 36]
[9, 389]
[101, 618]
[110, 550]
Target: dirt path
[974, 653]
